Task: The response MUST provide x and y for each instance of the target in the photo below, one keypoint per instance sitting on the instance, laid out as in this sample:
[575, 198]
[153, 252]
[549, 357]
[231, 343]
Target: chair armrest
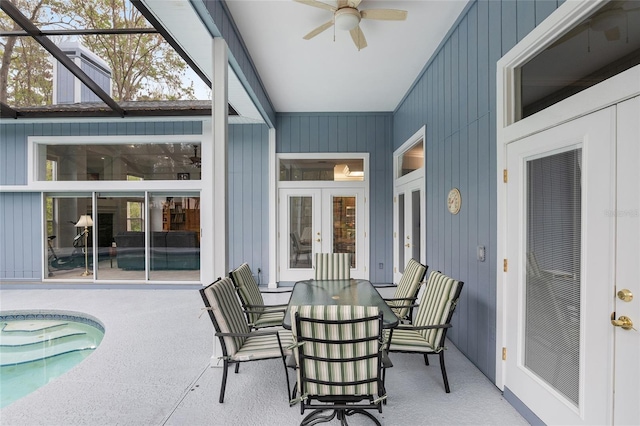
[267, 307]
[399, 298]
[253, 333]
[251, 311]
[276, 292]
[422, 327]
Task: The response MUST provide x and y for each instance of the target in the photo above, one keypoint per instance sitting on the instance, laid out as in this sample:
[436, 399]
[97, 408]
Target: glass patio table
[339, 292]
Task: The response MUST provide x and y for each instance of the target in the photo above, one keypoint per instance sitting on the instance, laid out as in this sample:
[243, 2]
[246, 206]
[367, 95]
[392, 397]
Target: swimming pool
[38, 346]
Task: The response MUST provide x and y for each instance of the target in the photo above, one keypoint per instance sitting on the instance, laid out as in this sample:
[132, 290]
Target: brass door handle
[624, 322]
[318, 240]
[407, 245]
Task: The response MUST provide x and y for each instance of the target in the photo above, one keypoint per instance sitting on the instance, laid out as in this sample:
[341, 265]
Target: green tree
[143, 66]
[25, 72]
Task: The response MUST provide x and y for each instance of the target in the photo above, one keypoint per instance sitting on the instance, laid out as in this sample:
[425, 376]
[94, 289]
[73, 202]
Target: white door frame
[610, 92]
[364, 184]
[406, 184]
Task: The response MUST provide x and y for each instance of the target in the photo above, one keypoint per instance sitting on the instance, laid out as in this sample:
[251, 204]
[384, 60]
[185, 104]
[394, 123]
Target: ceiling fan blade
[316, 3]
[318, 30]
[349, 3]
[384, 14]
[612, 34]
[358, 38]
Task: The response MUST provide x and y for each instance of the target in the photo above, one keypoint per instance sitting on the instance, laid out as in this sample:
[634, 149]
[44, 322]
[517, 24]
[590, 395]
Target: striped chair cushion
[268, 319]
[226, 309]
[248, 289]
[345, 370]
[407, 287]
[435, 305]
[331, 266]
[264, 347]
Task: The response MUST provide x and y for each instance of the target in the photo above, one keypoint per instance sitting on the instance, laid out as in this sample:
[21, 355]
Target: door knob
[407, 245]
[318, 240]
[625, 295]
[624, 322]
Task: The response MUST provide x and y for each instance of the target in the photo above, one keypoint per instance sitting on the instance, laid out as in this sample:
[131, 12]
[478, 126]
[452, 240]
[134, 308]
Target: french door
[409, 241]
[573, 241]
[320, 220]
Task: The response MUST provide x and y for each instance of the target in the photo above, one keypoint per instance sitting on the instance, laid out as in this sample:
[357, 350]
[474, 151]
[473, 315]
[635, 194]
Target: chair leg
[426, 359]
[286, 373]
[225, 367]
[237, 367]
[444, 372]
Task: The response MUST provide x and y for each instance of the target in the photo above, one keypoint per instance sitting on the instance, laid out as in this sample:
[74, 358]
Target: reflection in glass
[300, 222]
[118, 162]
[65, 242]
[175, 237]
[329, 169]
[344, 226]
[121, 236]
[552, 311]
[412, 159]
[415, 225]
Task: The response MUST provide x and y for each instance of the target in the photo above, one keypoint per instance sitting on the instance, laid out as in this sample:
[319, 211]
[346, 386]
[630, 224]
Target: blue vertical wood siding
[21, 242]
[455, 98]
[20, 213]
[248, 173]
[352, 132]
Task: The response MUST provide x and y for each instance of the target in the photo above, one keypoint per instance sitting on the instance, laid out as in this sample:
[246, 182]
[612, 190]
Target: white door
[627, 216]
[408, 238]
[327, 220]
[560, 274]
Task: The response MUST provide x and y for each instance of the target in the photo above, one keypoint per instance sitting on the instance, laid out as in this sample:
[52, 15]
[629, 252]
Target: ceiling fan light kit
[347, 17]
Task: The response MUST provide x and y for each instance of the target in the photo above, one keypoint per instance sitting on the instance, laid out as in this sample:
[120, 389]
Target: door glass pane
[300, 237]
[344, 226]
[401, 234]
[552, 311]
[174, 223]
[66, 255]
[121, 237]
[415, 225]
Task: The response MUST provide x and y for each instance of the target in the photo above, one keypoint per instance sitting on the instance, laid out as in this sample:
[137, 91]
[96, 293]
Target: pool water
[37, 347]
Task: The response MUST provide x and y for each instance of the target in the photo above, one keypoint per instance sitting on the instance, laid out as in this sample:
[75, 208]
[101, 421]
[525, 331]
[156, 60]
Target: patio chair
[332, 266]
[258, 314]
[404, 299]
[238, 342]
[299, 249]
[429, 329]
[339, 355]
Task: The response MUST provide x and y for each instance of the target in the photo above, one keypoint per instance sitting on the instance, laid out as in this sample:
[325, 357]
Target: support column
[273, 212]
[220, 141]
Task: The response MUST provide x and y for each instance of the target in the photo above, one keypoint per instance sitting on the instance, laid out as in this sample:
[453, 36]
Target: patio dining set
[336, 333]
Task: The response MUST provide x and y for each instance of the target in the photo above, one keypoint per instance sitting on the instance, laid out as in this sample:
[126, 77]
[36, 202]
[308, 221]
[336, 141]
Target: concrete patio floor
[154, 367]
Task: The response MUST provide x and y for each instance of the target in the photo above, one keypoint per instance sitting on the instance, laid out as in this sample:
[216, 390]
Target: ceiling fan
[346, 16]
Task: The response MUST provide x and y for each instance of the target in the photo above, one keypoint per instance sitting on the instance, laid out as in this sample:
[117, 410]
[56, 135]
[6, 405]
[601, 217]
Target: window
[322, 169]
[135, 215]
[603, 45]
[118, 161]
[412, 159]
